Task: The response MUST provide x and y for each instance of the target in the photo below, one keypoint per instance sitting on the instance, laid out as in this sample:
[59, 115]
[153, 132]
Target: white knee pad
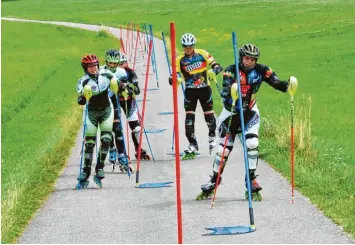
[252, 143]
[253, 153]
[136, 131]
[219, 156]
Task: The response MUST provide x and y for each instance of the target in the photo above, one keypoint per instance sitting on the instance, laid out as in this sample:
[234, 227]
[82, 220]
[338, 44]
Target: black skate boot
[144, 155]
[208, 188]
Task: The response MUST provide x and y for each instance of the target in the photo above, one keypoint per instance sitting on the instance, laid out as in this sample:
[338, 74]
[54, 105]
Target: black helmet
[249, 50]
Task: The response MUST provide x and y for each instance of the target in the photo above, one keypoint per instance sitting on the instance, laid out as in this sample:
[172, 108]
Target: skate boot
[100, 174]
[255, 191]
[212, 143]
[208, 188]
[124, 164]
[144, 155]
[190, 152]
[113, 156]
[83, 182]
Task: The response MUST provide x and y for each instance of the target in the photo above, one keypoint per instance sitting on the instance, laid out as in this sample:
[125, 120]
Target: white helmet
[123, 57]
[188, 39]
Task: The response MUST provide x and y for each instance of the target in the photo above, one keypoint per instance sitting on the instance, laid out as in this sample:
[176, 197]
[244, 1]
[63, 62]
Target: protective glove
[135, 82]
[122, 87]
[217, 68]
[81, 100]
[87, 92]
[292, 85]
[179, 80]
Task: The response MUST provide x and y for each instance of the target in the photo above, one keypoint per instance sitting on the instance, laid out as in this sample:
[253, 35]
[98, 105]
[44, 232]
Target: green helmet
[112, 55]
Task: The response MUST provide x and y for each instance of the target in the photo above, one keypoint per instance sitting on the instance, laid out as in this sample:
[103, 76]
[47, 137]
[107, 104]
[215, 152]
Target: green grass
[312, 40]
[40, 116]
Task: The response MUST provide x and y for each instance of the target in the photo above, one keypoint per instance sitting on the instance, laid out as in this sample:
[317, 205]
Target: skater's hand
[178, 80]
[124, 80]
[217, 68]
[292, 85]
[135, 82]
[81, 100]
[171, 80]
[87, 92]
[122, 86]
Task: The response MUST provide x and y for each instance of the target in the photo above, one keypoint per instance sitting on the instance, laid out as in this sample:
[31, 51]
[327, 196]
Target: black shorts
[204, 95]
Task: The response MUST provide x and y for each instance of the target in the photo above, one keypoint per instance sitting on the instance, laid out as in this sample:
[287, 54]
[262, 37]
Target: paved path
[120, 213]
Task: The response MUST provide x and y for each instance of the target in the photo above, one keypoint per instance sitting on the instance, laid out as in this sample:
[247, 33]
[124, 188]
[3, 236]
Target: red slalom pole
[176, 130]
[143, 112]
[127, 38]
[292, 153]
[122, 46]
[220, 170]
[135, 53]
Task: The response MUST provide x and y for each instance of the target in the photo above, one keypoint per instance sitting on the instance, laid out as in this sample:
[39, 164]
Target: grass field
[312, 40]
[40, 116]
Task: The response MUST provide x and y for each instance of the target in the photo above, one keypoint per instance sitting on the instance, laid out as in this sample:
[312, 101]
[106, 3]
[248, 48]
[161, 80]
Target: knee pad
[252, 144]
[106, 139]
[88, 154]
[136, 132]
[219, 156]
[190, 126]
[211, 123]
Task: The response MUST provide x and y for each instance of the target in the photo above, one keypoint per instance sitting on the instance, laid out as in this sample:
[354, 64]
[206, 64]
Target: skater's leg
[205, 98]
[106, 125]
[136, 131]
[190, 103]
[252, 143]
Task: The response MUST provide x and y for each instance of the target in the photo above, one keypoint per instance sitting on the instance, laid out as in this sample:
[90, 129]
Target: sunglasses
[188, 46]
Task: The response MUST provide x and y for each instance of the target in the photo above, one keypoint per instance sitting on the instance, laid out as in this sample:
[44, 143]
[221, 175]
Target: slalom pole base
[229, 230]
[165, 113]
[155, 185]
[152, 89]
[154, 131]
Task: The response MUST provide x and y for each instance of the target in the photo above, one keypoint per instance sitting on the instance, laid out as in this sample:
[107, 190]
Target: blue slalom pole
[146, 37]
[84, 131]
[121, 128]
[246, 162]
[154, 61]
[146, 136]
[182, 85]
[167, 59]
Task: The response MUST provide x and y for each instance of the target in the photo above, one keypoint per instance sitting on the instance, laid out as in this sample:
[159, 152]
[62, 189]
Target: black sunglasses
[188, 46]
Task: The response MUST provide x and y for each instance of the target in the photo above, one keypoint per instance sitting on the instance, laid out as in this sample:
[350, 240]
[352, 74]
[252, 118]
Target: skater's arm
[228, 80]
[272, 79]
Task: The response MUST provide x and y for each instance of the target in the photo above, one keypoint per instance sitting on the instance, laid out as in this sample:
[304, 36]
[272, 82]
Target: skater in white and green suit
[95, 85]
